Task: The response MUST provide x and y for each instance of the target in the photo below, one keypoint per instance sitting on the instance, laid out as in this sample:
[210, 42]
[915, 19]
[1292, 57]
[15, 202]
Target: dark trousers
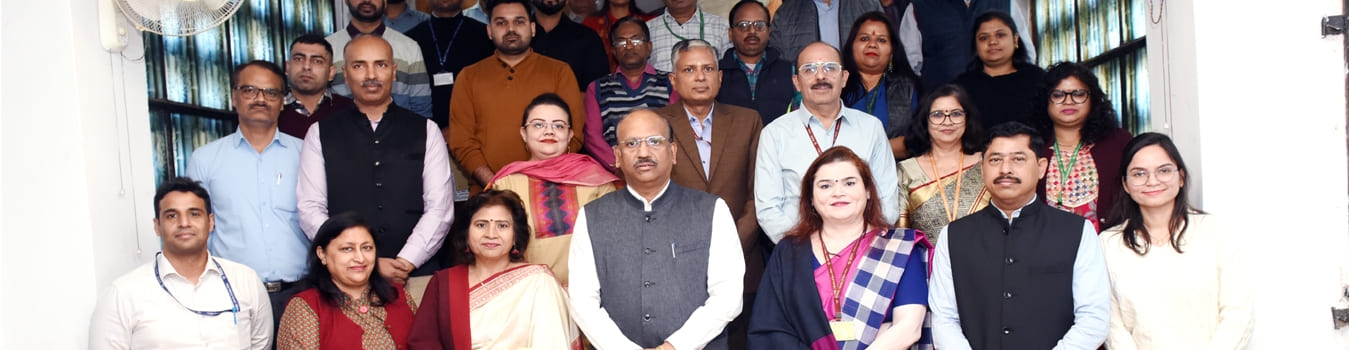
[280, 299]
[738, 330]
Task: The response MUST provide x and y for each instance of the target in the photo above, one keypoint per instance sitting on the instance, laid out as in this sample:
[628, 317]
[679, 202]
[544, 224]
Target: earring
[891, 66]
[515, 251]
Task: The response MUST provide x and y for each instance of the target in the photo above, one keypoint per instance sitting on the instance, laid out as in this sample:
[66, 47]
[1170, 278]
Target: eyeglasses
[817, 67]
[657, 142]
[559, 126]
[250, 91]
[1139, 177]
[744, 26]
[1061, 97]
[957, 116]
[628, 43]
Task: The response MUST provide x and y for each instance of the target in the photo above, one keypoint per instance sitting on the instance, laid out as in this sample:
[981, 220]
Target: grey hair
[689, 44]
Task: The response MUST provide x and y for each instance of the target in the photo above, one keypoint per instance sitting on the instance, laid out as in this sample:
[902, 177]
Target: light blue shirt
[476, 12]
[702, 133]
[828, 22]
[785, 152]
[1091, 295]
[257, 222]
[407, 20]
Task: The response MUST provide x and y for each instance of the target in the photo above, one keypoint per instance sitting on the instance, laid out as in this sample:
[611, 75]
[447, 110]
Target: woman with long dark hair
[344, 308]
[1180, 279]
[1076, 118]
[944, 180]
[492, 298]
[1000, 77]
[880, 81]
[843, 278]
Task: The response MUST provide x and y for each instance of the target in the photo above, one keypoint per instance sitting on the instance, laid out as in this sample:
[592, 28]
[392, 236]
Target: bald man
[383, 161]
[664, 276]
[786, 148]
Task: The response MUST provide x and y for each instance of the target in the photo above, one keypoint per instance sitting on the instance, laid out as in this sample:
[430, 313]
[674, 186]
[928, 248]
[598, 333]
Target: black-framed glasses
[540, 125]
[957, 116]
[628, 43]
[817, 67]
[657, 142]
[250, 91]
[1061, 97]
[745, 26]
[1165, 173]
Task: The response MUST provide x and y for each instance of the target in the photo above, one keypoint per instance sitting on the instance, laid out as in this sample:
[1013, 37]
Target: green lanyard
[1063, 171]
[701, 24]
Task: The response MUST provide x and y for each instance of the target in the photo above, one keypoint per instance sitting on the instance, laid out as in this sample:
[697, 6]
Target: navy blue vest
[1014, 284]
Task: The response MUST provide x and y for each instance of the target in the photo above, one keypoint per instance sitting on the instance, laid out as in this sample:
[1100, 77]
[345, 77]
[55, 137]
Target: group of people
[820, 195]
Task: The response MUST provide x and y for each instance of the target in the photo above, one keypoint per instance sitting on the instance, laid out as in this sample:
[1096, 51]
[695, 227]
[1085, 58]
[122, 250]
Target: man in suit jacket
[716, 153]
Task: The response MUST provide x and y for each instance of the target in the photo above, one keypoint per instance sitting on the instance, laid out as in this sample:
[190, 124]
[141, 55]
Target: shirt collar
[648, 70]
[696, 13]
[807, 118]
[243, 142]
[693, 119]
[166, 268]
[646, 205]
[1015, 213]
[353, 32]
[290, 97]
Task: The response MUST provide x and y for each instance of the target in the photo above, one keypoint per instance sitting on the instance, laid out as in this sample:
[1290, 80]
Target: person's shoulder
[864, 120]
[222, 143]
[1114, 233]
[396, 38]
[233, 268]
[736, 112]
[139, 276]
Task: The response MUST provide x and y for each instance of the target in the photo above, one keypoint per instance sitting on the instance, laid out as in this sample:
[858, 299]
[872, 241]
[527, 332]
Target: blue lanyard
[224, 278]
[436, 42]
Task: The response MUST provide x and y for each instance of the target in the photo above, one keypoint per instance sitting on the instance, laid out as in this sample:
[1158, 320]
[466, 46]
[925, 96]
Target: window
[1107, 35]
[189, 77]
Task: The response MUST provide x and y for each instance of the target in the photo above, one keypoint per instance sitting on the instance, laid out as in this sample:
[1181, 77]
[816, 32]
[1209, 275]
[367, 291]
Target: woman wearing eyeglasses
[944, 182]
[1180, 279]
[345, 308]
[1000, 78]
[553, 184]
[880, 80]
[1085, 139]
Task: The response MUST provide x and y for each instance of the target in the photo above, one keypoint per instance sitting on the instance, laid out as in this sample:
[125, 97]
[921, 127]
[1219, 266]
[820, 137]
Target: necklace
[950, 209]
[835, 285]
[1063, 171]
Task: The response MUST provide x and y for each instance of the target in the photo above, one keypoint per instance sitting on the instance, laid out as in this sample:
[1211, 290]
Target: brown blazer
[735, 140]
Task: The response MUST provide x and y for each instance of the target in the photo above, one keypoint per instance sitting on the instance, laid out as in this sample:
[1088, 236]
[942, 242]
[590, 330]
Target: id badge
[442, 79]
[843, 330]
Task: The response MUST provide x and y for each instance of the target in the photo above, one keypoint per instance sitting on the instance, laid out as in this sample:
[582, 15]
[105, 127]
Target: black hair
[269, 66]
[319, 277]
[646, 31]
[633, 11]
[315, 39]
[920, 142]
[182, 184]
[899, 61]
[487, 198]
[493, 4]
[1135, 231]
[1101, 120]
[1019, 56]
[546, 99]
[1014, 129]
[736, 9]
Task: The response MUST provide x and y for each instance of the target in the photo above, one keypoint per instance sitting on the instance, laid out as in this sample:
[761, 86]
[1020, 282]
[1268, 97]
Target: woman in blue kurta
[843, 278]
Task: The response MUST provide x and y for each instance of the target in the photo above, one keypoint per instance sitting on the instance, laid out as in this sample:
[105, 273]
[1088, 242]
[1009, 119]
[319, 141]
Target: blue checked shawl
[869, 296]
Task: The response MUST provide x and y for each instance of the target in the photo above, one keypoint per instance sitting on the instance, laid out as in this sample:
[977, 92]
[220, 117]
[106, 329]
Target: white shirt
[709, 27]
[136, 313]
[785, 152]
[725, 282]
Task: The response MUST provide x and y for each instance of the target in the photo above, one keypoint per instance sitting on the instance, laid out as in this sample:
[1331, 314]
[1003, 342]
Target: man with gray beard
[382, 161]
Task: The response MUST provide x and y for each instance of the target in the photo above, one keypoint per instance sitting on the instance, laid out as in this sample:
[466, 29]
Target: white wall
[76, 178]
[1262, 96]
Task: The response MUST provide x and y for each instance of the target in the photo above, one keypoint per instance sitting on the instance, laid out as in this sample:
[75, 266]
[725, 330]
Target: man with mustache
[252, 173]
[1018, 274]
[717, 143]
[656, 265]
[568, 41]
[484, 131]
[382, 161]
[308, 71]
[635, 85]
[755, 75]
[186, 298]
[802, 22]
[789, 144]
[683, 20]
[413, 90]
